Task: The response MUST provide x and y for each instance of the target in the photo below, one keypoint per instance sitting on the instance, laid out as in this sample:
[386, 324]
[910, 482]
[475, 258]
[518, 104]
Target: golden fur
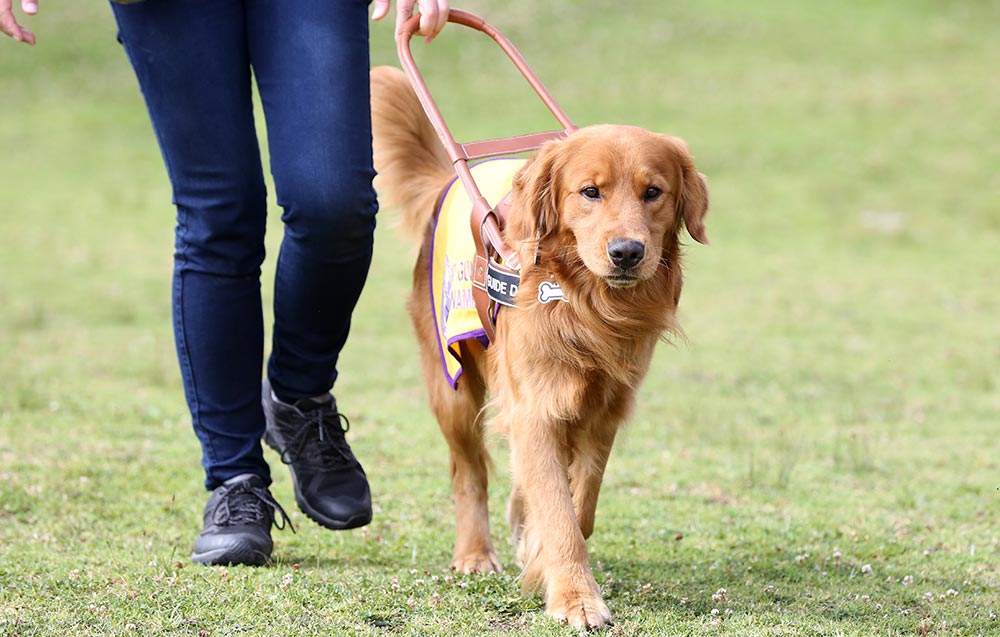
[561, 377]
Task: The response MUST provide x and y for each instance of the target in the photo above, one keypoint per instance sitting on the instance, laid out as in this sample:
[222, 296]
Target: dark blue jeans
[193, 60]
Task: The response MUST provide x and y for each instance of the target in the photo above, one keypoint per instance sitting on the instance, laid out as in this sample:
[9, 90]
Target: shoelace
[319, 441]
[245, 503]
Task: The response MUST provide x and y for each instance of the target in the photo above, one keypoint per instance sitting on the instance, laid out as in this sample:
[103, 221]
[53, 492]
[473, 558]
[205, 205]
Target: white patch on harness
[550, 291]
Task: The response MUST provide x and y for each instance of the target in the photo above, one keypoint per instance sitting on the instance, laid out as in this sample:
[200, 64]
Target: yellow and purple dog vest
[452, 252]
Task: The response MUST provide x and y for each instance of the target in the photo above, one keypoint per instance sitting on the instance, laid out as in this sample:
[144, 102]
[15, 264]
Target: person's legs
[311, 67]
[193, 66]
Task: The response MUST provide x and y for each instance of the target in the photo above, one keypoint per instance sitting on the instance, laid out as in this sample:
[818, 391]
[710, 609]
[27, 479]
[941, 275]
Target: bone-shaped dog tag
[550, 291]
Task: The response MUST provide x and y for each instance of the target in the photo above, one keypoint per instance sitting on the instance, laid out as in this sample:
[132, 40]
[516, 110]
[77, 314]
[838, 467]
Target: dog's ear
[692, 201]
[533, 213]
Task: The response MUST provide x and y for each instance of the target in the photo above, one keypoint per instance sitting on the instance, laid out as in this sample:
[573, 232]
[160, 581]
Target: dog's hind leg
[458, 413]
[516, 520]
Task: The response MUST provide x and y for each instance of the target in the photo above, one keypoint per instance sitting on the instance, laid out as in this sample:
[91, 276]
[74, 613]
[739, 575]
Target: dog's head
[610, 197]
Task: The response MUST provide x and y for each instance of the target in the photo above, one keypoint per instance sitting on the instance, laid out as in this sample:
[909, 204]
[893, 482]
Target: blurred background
[841, 367]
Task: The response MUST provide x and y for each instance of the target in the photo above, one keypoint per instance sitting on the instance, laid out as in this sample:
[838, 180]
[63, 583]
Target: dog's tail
[412, 165]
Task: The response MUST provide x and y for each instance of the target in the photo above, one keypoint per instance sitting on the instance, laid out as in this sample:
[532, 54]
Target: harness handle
[459, 153]
[486, 148]
[485, 221]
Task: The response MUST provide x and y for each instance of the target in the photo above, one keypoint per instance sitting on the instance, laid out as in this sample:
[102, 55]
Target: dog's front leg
[586, 473]
[556, 552]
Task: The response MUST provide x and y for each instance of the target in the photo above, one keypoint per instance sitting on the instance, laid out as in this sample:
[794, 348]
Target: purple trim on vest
[444, 349]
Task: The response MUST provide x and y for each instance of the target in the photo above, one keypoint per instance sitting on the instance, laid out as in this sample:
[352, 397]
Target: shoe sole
[313, 514]
[230, 557]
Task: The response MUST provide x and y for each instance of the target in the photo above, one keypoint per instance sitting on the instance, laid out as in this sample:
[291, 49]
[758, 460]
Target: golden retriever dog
[601, 213]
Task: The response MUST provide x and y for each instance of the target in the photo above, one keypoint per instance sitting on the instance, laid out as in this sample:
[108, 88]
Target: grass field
[825, 446]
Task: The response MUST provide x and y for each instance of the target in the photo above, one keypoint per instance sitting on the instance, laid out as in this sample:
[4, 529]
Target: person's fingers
[9, 25]
[403, 12]
[433, 16]
[29, 6]
[428, 20]
[442, 15]
[380, 10]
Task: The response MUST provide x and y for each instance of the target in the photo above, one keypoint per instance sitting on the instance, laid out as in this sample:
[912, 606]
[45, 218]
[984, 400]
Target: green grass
[824, 446]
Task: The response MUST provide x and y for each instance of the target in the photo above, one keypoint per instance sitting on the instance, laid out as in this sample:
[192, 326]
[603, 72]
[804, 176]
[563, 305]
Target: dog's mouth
[622, 279]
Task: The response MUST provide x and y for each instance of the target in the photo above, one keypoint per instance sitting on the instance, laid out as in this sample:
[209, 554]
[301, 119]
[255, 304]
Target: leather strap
[493, 255]
[494, 261]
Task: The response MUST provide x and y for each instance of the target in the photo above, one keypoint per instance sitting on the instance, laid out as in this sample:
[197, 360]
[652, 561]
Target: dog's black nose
[625, 253]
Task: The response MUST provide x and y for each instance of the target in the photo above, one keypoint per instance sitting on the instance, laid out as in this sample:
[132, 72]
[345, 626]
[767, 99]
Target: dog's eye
[652, 193]
[591, 192]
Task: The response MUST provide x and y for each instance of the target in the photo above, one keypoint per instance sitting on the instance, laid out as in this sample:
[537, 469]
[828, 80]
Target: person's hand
[9, 25]
[433, 14]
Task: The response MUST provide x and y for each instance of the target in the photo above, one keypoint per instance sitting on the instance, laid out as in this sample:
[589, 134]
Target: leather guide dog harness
[495, 272]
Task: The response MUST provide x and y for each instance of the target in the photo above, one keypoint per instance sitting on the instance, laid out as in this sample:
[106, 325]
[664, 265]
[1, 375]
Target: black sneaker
[238, 519]
[330, 485]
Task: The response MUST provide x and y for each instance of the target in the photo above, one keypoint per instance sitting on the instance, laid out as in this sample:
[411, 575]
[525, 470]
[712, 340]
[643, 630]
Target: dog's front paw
[475, 562]
[582, 610]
